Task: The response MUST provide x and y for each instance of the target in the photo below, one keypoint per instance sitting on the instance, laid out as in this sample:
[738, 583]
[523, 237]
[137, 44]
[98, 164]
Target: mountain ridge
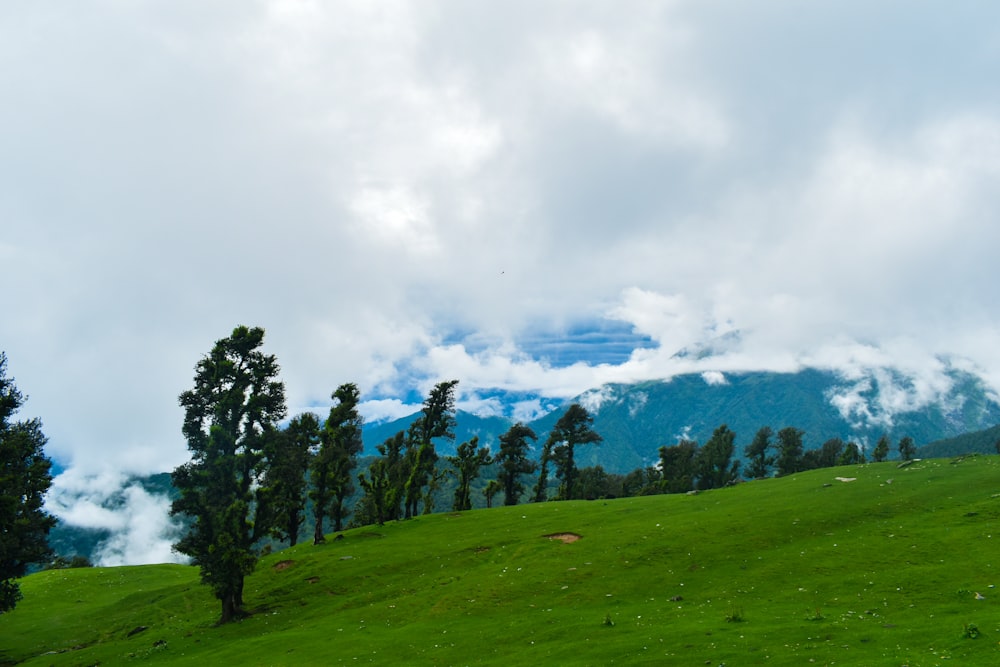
[636, 419]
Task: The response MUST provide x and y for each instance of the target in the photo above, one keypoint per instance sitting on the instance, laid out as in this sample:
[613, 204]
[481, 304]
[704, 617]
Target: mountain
[977, 442]
[635, 420]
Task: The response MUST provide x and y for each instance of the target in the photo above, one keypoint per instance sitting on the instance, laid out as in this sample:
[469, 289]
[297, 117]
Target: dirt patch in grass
[313, 580]
[283, 565]
[565, 538]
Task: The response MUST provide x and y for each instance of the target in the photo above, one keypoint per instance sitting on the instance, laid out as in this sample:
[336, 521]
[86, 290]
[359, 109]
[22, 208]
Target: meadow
[861, 565]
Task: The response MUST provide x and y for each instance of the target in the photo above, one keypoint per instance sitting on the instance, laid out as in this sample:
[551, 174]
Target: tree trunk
[318, 537]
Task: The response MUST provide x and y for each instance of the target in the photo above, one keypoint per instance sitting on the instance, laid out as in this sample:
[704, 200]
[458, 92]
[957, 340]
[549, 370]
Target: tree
[826, 456]
[469, 458]
[830, 452]
[852, 455]
[437, 421]
[881, 451]
[539, 493]
[572, 429]
[594, 482]
[288, 455]
[760, 461]
[513, 461]
[230, 416]
[493, 487]
[376, 486]
[789, 450]
[677, 466]
[333, 466]
[24, 478]
[714, 464]
[907, 450]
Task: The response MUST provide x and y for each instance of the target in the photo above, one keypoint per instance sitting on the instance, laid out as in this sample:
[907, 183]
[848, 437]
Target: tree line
[250, 479]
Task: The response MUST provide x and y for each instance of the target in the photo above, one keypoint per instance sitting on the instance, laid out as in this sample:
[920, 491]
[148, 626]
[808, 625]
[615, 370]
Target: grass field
[897, 567]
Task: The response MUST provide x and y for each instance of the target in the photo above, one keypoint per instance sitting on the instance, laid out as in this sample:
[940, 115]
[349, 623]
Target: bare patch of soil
[283, 565]
[565, 538]
[313, 580]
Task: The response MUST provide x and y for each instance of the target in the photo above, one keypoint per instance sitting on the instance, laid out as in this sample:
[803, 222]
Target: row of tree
[250, 480]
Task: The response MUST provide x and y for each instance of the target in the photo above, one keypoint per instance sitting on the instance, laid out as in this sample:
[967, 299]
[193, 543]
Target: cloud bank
[532, 197]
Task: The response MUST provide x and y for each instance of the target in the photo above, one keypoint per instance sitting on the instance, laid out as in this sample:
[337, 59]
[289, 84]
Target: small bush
[735, 614]
[608, 623]
[970, 631]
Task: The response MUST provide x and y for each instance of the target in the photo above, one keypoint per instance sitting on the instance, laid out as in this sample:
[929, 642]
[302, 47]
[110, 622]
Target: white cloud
[400, 195]
[714, 378]
[139, 526]
[386, 409]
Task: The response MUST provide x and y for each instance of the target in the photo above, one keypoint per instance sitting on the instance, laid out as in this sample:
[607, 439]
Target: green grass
[793, 571]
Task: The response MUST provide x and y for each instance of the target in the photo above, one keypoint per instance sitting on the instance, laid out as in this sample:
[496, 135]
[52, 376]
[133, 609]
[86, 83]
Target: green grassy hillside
[897, 567]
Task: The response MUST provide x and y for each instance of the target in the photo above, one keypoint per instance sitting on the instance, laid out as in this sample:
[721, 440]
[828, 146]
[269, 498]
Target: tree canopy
[230, 416]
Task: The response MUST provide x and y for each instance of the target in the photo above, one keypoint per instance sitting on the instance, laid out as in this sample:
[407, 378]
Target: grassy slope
[864, 572]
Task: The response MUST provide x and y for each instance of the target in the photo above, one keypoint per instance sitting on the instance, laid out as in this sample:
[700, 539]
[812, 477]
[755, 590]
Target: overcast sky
[512, 194]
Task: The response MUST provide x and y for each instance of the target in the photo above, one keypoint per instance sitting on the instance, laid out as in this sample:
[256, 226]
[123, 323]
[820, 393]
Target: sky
[537, 197]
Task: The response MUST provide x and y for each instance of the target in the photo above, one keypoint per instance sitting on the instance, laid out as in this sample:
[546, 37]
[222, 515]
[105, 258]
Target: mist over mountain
[636, 419]
[123, 520]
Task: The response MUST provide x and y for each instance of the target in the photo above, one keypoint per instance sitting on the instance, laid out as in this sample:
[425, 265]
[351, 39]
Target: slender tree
[229, 417]
[468, 459]
[492, 488]
[24, 478]
[881, 451]
[393, 451]
[513, 461]
[288, 456]
[572, 429]
[907, 450]
[437, 421]
[758, 454]
[333, 466]
[540, 491]
[790, 450]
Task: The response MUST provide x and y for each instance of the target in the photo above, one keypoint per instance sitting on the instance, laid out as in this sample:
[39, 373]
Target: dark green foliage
[852, 455]
[826, 456]
[493, 487]
[759, 460]
[373, 506]
[790, 450]
[907, 449]
[334, 463]
[24, 478]
[539, 493]
[572, 429]
[513, 461]
[677, 466]
[881, 451]
[975, 442]
[288, 454]
[713, 464]
[230, 419]
[436, 421]
[469, 459]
